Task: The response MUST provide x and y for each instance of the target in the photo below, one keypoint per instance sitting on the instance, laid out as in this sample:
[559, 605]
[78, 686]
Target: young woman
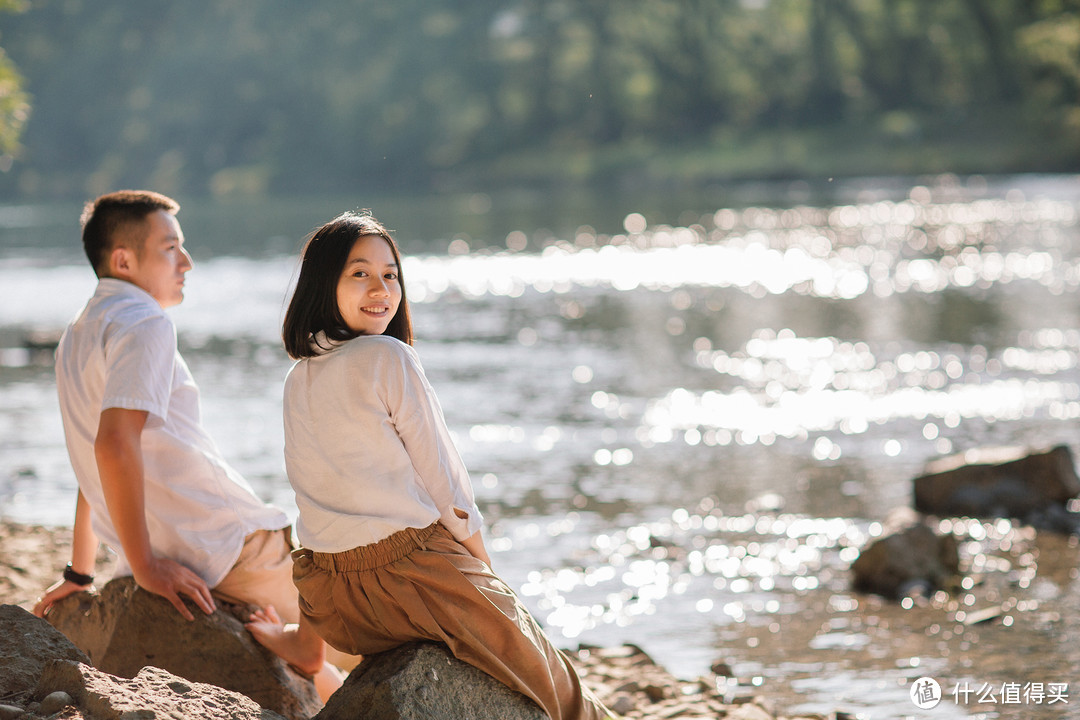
[391, 548]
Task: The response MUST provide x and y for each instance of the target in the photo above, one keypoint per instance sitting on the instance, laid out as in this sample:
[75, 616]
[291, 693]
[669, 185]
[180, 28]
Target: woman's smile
[369, 289]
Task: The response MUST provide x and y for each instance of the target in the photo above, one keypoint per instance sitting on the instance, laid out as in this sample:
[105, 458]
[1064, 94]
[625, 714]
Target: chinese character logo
[925, 693]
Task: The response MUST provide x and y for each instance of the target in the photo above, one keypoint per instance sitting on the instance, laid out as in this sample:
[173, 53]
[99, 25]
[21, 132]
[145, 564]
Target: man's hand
[170, 580]
[84, 545]
[118, 450]
[57, 592]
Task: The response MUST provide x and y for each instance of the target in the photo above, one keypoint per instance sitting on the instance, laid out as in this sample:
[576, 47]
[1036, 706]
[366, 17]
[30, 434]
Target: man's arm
[118, 450]
[84, 544]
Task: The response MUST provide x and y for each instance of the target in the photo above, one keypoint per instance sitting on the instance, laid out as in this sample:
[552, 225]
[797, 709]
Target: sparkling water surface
[682, 424]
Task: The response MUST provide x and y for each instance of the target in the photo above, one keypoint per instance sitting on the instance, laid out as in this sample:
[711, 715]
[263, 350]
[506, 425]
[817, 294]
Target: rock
[126, 628]
[623, 704]
[749, 711]
[627, 680]
[54, 702]
[976, 617]
[152, 693]
[997, 482]
[423, 681]
[10, 712]
[907, 560]
[1055, 518]
[27, 643]
[722, 668]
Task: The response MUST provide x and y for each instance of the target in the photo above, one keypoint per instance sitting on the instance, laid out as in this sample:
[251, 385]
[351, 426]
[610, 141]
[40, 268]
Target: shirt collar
[109, 286]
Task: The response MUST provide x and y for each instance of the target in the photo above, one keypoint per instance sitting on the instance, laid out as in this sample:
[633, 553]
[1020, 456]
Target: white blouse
[367, 449]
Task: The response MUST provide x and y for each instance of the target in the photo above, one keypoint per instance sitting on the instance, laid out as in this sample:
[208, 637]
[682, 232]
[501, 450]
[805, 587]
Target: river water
[683, 414]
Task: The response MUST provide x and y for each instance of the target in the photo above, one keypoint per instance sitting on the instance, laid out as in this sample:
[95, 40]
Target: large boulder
[27, 644]
[998, 482]
[423, 681]
[910, 558]
[152, 693]
[125, 628]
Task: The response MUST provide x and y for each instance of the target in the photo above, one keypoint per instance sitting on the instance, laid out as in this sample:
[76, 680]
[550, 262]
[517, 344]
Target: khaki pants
[424, 585]
[262, 575]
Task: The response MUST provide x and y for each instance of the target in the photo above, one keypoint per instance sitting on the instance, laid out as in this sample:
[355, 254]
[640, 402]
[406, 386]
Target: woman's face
[369, 289]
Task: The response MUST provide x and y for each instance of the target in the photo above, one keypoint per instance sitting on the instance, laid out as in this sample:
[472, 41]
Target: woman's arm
[475, 545]
[419, 422]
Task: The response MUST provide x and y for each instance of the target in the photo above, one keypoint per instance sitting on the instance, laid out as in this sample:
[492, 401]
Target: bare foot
[303, 651]
[327, 681]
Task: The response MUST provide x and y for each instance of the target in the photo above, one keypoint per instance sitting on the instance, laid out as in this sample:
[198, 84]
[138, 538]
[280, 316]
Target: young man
[152, 484]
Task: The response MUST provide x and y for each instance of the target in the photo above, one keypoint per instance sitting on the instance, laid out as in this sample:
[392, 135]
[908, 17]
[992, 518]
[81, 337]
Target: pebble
[55, 702]
[623, 704]
[10, 712]
[750, 711]
[722, 669]
[633, 686]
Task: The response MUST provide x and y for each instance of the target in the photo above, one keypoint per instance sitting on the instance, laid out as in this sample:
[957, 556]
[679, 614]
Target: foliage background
[274, 97]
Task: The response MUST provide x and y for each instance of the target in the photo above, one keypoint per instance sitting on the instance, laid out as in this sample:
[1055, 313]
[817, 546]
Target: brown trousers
[424, 585]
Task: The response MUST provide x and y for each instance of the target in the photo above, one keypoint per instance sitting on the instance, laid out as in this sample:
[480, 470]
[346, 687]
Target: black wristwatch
[77, 577]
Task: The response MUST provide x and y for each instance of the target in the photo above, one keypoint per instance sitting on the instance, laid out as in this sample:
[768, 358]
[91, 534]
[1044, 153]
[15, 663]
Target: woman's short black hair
[313, 308]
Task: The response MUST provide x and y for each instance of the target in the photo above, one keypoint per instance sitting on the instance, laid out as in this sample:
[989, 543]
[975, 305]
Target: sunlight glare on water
[880, 247]
[681, 435]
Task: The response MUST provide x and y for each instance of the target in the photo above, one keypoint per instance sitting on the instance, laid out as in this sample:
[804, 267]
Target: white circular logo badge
[925, 693]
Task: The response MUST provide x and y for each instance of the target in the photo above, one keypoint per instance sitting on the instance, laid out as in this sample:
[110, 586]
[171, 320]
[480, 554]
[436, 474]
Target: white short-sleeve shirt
[367, 449]
[120, 352]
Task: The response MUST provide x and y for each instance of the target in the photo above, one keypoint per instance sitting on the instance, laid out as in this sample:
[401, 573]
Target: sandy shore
[33, 557]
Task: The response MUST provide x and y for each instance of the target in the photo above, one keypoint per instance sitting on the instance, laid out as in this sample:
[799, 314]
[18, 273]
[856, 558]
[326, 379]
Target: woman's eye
[390, 276]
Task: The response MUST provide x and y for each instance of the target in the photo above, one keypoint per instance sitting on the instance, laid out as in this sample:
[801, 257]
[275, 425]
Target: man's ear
[121, 261]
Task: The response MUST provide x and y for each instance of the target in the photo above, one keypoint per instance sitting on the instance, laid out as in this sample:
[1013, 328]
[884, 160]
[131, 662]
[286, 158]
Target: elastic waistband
[383, 552]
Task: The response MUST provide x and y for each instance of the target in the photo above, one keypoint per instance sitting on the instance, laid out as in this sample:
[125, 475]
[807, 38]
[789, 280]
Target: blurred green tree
[283, 97]
[14, 102]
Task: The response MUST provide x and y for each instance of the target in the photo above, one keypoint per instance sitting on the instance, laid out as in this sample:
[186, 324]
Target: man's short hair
[106, 218]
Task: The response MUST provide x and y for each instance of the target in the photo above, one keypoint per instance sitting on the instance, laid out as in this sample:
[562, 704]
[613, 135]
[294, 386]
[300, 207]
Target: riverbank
[898, 144]
[624, 677]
